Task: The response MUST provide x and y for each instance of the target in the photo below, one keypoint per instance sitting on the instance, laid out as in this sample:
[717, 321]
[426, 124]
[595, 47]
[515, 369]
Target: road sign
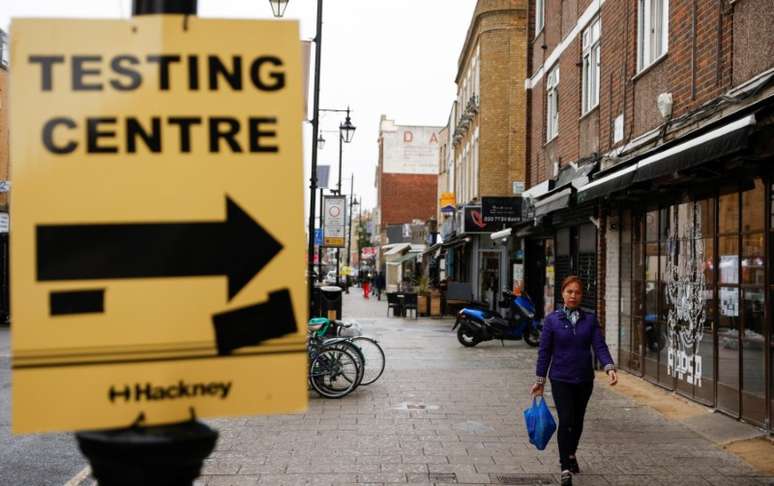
[334, 217]
[158, 221]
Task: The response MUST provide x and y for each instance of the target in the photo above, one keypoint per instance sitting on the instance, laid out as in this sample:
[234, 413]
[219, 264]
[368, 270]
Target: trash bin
[330, 303]
[316, 302]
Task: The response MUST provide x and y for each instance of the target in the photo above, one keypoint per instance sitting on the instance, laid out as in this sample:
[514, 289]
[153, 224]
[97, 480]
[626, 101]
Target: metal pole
[315, 134]
[351, 201]
[320, 248]
[338, 189]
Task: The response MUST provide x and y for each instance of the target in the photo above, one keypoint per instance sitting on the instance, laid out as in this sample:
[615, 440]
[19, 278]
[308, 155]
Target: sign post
[158, 245]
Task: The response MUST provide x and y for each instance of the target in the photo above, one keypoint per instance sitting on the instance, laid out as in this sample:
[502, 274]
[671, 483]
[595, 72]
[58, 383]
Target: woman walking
[568, 336]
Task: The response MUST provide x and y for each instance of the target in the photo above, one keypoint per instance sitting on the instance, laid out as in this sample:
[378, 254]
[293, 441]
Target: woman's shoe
[574, 467]
[566, 478]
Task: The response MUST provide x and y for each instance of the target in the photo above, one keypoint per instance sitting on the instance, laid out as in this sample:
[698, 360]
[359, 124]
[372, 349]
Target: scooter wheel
[466, 338]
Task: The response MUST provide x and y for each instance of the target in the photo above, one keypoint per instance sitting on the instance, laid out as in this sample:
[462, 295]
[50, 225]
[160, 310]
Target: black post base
[164, 455]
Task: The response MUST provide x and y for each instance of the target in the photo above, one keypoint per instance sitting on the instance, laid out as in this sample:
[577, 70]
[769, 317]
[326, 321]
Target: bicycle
[374, 359]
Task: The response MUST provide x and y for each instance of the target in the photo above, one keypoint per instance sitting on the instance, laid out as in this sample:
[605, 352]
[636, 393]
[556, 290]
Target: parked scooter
[477, 324]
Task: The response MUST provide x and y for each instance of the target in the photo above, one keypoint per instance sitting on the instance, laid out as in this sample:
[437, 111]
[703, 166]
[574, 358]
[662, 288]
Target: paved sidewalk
[444, 414]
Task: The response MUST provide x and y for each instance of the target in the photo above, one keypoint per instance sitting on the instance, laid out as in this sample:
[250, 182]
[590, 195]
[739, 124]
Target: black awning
[721, 142]
[616, 181]
[554, 202]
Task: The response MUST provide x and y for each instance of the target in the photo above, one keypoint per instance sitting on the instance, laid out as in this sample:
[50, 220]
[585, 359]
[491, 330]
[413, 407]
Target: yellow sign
[158, 221]
[447, 200]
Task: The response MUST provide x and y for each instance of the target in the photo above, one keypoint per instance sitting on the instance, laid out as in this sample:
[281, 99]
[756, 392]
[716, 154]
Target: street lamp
[278, 7]
[346, 133]
[320, 142]
[347, 128]
[278, 12]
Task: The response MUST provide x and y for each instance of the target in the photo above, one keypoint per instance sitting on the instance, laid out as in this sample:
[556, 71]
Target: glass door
[729, 321]
[753, 281]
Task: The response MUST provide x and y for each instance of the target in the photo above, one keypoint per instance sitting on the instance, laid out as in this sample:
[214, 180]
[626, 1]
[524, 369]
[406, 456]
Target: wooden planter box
[435, 304]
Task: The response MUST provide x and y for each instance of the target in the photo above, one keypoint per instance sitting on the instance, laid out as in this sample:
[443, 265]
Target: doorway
[490, 278]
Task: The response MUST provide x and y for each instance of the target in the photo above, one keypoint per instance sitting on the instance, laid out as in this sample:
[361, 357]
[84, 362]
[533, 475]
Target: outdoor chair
[410, 303]
[393, 302]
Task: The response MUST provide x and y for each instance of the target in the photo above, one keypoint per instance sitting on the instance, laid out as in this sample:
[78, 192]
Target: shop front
[695, 289]
[694, 225]
[562, 241]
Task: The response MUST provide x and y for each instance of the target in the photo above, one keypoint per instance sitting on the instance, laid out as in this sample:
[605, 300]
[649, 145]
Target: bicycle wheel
[347, 345]
[374, 358]
[333, 373]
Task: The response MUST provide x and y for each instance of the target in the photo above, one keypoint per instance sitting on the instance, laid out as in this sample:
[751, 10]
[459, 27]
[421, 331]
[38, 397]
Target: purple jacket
[568, 353]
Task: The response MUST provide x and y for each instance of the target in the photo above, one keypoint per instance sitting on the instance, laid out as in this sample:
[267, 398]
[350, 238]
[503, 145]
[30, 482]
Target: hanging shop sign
[334, 219]
[501, 211]
[447, 202]
[368, 252]
[159, 258]
[473, 221]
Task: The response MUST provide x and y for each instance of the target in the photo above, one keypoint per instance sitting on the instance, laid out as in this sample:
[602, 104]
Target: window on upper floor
[591, 55]
[540, 16]
[552, 102]
[652, 31]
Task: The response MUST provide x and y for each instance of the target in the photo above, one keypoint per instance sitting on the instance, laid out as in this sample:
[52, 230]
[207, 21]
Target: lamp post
[278, 9]
[346, 133]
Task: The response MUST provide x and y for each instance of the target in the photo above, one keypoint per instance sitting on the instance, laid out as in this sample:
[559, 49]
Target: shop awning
[402, 258]
[721, 142]
[397, 249]
[616, 181]
[554, 202]
[433, 249]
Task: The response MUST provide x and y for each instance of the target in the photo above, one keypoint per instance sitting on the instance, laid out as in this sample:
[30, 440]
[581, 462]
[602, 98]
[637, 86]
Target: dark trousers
[571, 400]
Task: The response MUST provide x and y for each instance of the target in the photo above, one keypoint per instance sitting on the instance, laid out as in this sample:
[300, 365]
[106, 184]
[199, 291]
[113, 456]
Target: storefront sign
[368, 252]
[160, 221]
[473, 221]
[334, 218]
[504, 211]
[447, 202]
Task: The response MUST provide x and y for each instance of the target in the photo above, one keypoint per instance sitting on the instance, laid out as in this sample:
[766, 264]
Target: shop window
[728, 213]
[728, 261]
[728, 349]
[548, 290]
[753, 270]
[753, 356]
[752, 208]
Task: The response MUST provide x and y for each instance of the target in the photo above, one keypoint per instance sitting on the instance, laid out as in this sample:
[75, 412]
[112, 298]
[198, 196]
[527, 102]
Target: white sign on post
[334, 217]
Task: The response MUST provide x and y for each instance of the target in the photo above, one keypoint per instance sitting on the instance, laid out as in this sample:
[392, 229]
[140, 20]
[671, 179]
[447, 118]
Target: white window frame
[591, 61]
[552, 104]
[540, 16]
[652, 31]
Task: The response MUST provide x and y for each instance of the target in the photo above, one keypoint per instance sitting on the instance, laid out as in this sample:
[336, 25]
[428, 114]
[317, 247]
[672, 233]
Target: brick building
[487, 153]
[649, 175]
[406, 185]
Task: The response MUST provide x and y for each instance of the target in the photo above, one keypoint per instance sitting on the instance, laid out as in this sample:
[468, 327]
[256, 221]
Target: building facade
[650, 176]
[486, 156]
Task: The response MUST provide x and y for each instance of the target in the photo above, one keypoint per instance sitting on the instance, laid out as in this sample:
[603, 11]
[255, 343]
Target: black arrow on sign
[251, 325]
[237, 248]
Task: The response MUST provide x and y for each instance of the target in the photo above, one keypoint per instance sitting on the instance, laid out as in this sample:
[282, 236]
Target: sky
[392, 57]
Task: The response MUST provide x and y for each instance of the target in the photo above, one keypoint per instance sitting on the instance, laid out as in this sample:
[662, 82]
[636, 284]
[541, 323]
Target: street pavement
[39, 460]
[444, 414]
[440, 414]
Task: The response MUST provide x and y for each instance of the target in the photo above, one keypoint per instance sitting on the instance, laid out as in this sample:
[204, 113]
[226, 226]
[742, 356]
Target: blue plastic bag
[540, 423]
